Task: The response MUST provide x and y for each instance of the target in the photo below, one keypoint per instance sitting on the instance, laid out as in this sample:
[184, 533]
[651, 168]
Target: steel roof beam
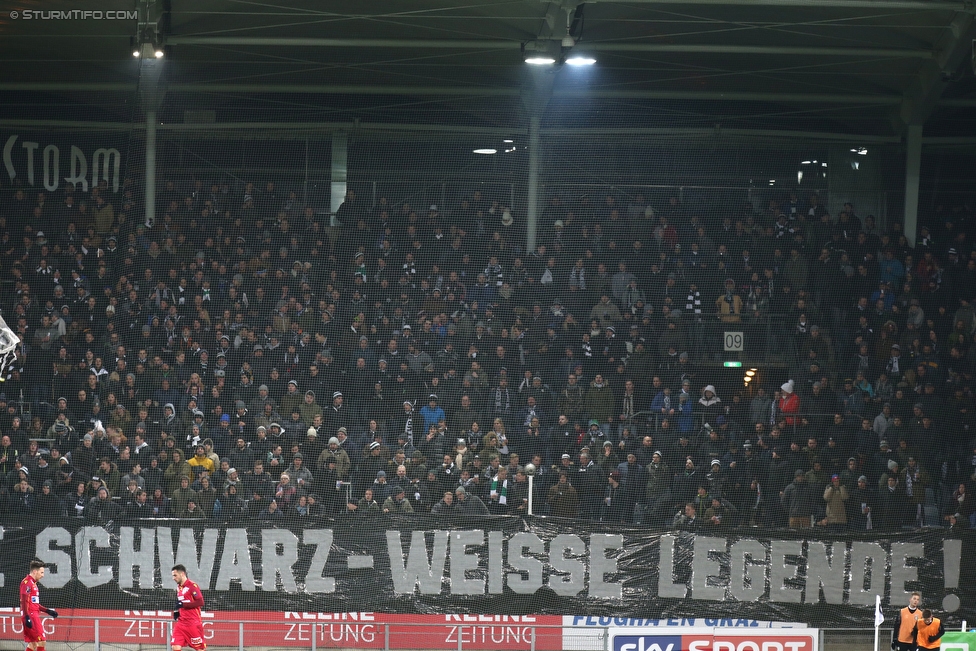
[925, 91]
[733, 96]
[293, 89]
[936, 5]
[701, 48]
[594, 46]
[288, 41]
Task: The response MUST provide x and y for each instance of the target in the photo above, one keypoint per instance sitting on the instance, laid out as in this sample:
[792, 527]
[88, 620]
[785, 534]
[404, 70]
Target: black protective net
[251, 329]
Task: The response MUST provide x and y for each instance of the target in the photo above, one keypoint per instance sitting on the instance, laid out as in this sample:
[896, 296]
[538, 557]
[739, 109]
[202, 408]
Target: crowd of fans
[244, 356]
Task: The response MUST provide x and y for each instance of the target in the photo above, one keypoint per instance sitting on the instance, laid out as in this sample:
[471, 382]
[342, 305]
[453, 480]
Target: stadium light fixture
[860, 151]
[751, 372]
[580, 61]
[508, 141]
[135, 53]
[541, 53]
[159, 54]
[486, 151]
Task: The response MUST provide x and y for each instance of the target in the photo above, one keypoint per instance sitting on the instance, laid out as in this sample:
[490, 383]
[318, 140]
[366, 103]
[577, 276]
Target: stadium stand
[281, 365]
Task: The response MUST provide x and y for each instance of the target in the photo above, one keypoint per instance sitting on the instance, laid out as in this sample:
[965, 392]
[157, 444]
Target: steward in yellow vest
[904, 634]
[930, 631]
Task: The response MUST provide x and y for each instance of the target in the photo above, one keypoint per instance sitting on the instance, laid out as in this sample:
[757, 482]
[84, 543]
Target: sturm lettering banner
[50, 162]
[497, 565]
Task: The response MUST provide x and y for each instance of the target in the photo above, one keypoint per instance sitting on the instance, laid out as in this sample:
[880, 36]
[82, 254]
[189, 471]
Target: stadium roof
[867, 67]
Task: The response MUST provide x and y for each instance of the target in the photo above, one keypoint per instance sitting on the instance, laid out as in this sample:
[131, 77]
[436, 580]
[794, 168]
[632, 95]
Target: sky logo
[647, 643]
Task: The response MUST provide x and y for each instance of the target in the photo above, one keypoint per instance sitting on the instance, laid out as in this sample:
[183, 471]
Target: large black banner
[499, 565]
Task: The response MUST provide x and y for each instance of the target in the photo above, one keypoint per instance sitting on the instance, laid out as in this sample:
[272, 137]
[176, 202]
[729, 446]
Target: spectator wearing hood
[710, 405]
[598, 404]
[729, 304]
[83, 457]
[309, 409]
[835, 496]
[299, 473]
[893, 511]
[797, 501]
[563, 499]
[397, 502]
[788, 404]
[101, 509]
[381, 487]
[432, 412]
[48, 506]
[335, 452]
[175, 471]
[200, 462]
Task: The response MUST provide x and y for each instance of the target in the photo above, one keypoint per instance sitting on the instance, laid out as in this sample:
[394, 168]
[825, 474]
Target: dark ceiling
[866, 67]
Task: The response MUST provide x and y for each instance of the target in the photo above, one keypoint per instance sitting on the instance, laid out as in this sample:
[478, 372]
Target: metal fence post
[98, 642]
[240, 636]
[532, 646]
[606, 637]
[169, 636]
[820, 639]
[386, 637]
[460, 630]
[315, 627]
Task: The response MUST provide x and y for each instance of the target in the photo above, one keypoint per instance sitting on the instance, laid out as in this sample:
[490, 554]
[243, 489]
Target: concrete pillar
[532, 209]
[340, 173]
[913, 165]
[150, 190]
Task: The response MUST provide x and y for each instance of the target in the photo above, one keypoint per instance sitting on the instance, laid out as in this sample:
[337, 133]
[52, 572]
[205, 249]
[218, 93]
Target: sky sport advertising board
[712, 639]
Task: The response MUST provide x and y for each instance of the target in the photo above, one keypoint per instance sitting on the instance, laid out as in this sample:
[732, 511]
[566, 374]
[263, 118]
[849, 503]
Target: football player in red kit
[188, 629]
[31, 608]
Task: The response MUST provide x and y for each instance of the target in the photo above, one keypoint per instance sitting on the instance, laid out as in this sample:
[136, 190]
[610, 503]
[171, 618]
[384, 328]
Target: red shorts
[36, 634]
[188, 635]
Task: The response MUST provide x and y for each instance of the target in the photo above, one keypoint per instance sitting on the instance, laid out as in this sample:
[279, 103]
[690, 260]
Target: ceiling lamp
[485, 151]
[581, 61]
[541, 53]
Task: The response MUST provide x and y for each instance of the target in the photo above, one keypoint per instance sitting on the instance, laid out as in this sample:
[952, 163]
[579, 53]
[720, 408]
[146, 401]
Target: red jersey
[191, 596]
[30, 599]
